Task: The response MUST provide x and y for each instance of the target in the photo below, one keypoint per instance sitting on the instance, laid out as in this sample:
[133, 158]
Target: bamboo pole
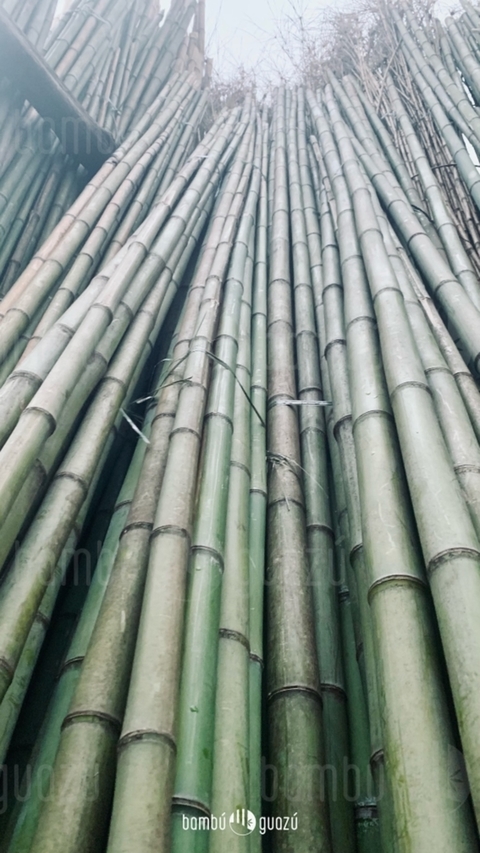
[320, 537]
[294, 701]
[258, 491]
[335, 351]
[230, 782]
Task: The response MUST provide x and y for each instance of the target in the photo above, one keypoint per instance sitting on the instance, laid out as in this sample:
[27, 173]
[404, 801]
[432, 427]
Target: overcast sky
[241, 31]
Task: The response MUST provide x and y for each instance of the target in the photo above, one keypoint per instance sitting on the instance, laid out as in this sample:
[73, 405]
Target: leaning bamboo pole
[230, 783]
[258, 491]
[329, 306]
[324, 264]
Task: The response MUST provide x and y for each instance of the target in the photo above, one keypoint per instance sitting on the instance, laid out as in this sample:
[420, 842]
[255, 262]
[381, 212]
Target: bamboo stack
[240, 449]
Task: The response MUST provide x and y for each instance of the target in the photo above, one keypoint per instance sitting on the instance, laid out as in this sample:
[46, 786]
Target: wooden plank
[21, 63]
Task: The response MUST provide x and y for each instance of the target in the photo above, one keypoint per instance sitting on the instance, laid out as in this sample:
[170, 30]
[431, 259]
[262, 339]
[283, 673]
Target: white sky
[241, 31]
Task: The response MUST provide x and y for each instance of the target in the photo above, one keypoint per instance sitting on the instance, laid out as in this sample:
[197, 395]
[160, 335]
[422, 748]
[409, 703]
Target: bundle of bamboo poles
[240, 460]
[116, 59]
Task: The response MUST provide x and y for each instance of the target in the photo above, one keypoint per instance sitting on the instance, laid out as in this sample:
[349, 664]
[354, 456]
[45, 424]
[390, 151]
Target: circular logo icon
[242, 822]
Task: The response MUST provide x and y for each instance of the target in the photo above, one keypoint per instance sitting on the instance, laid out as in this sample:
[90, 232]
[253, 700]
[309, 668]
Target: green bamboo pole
[28, 815]
[400, 589]
[68, 191]
[15, 184]
[53, 341]
[231, 765]
[424, 76]
[456, 426]
[372, 133]
[294, 701]
[54, 238]
[85, 197]
[464, 379]
[36, 222]
[258, 491]
[183, 144]
[329, 294]
[330, 304]
[320, 536]
[62, 45]
[358, 317]
[147, 194]
[126, 43]
[155, 68]
[155, 77]
[452, 413]
[369, 836]
[79, 573]
[369, 833]
[40, 22]
[22, 382]
[14, 235]
[156, 184]
[377, 142]
[89, 257]
[54, 449]
[84, 51]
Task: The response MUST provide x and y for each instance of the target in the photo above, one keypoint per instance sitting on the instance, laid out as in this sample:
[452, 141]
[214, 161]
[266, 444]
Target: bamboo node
[146, 734]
